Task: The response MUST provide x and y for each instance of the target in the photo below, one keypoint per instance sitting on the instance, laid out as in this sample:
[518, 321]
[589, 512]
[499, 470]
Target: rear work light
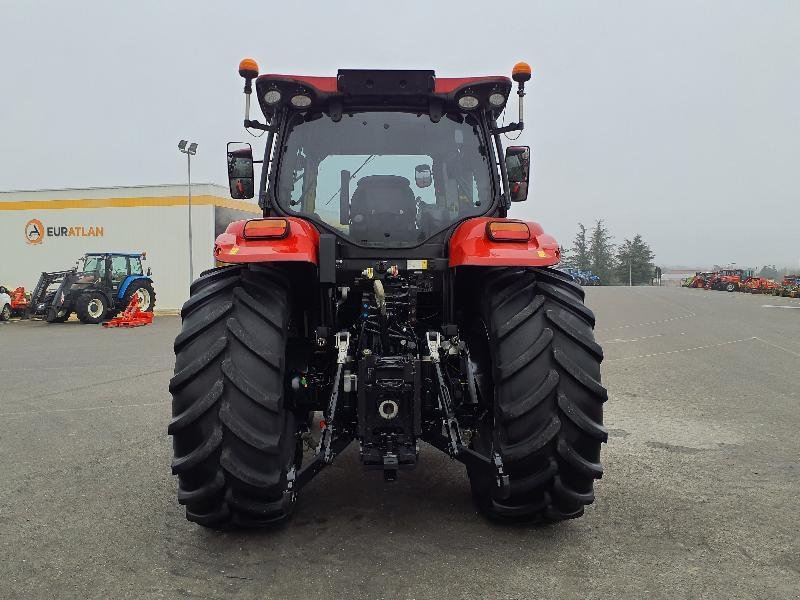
[497, 99]
[272, 97]
[260, 229]
[468, 102]
[508, 231]
[300, 101]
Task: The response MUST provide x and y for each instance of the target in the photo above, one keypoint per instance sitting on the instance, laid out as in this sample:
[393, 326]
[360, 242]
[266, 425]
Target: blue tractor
[583, 277]
[100, 286]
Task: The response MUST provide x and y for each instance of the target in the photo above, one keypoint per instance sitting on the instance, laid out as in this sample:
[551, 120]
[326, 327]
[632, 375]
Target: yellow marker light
[521, 72]
[508, 231]
[259, 229]
[248, 68]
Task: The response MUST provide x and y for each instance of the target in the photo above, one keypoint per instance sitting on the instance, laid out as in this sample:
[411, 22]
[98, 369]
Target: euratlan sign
[35, 231]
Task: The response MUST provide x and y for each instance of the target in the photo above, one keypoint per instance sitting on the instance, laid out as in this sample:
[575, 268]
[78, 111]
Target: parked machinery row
[743, 280]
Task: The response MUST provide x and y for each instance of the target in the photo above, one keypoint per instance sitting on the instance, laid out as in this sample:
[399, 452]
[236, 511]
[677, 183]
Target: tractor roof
[370, 88]
[129, 254]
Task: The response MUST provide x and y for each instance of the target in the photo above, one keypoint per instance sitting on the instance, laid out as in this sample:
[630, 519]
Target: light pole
[189, 151]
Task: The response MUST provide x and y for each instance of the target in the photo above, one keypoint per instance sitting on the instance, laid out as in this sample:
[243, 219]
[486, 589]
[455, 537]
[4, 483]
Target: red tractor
[728, 280]
[387, 288]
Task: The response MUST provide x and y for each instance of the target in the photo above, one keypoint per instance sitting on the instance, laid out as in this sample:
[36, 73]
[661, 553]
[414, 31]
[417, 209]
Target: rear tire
[148, 293]
[5, 313]
[542, 394]
[91, 308]
[234, 441]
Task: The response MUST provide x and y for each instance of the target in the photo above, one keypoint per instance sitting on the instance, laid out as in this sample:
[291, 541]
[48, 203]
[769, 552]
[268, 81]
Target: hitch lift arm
[452, 444]
[330, 445]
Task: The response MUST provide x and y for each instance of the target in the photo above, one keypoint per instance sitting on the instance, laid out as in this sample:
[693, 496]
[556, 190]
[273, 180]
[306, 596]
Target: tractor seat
[383, 208]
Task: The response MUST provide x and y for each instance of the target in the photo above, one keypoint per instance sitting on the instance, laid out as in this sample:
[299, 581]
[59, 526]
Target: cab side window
[136, 265]
[119, 269]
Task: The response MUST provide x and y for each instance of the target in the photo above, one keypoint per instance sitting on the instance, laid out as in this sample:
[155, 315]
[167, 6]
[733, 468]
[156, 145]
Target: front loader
[386, 288]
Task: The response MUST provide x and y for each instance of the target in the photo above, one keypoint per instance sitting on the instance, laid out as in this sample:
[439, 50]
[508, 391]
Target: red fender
[470, 245]
[301, 245]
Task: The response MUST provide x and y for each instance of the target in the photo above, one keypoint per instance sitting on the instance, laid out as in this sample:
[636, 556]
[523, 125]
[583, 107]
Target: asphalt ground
[699, 497]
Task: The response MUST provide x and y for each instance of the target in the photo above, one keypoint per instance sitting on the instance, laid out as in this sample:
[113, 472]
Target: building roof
[119, 191]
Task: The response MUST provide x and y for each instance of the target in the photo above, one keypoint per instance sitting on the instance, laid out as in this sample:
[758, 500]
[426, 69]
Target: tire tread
[233, 439]
[548, 398]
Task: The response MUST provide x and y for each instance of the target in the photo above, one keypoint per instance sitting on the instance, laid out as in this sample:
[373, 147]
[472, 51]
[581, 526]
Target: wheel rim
[6, 312]
[144, 298]
[95, 308]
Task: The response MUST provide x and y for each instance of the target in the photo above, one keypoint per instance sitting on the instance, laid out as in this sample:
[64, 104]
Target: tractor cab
[383, 159]
[740, 273]
[385, 178]
[111, 270]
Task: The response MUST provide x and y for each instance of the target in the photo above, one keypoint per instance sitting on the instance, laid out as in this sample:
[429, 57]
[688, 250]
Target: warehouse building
[48, 230]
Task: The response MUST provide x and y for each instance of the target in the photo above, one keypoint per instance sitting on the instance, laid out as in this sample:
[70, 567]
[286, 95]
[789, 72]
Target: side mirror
[240, 170]
[423, 176]
[518, 168]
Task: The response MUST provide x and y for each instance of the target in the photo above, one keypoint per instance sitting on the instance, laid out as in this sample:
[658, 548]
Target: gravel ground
[698, 499]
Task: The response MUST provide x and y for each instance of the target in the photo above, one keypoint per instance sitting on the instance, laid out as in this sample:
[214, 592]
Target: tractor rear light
[508, 231]
[259, 229]
[468, 102]
[272, 97]
[301, 101]
[497, 99]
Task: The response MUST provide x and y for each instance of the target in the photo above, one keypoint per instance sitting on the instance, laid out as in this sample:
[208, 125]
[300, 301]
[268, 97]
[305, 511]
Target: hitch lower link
[452, 443]
[329, 444]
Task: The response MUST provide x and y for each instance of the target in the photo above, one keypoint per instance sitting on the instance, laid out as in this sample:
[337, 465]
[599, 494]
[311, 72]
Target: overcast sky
[676, 120]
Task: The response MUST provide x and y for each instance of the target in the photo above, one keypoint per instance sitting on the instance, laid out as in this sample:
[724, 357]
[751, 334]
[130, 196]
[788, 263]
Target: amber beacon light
[248, 69]
[521, 72]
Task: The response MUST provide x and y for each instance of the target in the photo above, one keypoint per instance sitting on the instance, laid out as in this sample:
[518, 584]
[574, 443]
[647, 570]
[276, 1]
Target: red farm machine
[698, 280]
[386, 287]
[13, 303]
[760, 285]
[789, 287]
[728, 280]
